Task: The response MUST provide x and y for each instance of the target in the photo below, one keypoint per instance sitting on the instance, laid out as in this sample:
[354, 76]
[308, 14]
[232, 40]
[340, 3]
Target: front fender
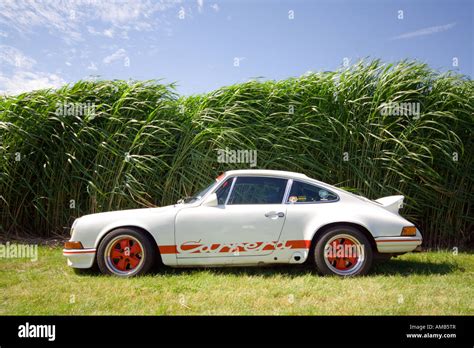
[159, 222]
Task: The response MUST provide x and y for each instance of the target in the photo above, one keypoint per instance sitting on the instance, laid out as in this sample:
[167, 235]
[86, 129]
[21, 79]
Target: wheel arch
[321, 230]
[139, 229]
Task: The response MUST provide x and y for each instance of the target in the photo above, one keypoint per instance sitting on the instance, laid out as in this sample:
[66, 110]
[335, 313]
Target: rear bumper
[398, 244]
[80, 258]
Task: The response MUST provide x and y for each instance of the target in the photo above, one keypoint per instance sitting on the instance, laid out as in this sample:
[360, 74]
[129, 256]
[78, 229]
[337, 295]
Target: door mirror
[210, 201]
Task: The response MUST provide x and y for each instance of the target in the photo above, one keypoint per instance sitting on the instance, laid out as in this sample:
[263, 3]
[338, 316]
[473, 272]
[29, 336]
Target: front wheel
[343, 251]
[125, 253]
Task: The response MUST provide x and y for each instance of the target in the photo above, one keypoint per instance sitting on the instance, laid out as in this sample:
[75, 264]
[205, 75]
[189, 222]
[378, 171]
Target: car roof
[288, 175]
[283, 174]
[266, 172]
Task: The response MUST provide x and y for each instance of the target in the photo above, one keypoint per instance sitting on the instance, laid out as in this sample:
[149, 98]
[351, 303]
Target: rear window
[305, 193]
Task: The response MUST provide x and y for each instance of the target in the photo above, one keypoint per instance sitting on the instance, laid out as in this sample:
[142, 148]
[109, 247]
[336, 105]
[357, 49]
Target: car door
[247, 221]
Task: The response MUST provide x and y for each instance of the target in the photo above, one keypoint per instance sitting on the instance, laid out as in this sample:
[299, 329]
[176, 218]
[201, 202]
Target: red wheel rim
[125, 254]
[344, 254]
[342, 262]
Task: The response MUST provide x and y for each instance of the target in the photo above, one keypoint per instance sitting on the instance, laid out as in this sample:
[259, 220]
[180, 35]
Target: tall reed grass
[143, 145]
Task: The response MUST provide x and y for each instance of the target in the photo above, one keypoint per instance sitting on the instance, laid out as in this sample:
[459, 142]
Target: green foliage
[144, 145]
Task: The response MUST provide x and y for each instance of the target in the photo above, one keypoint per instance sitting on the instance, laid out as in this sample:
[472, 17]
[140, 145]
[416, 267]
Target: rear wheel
[343, 251]
[125, 252]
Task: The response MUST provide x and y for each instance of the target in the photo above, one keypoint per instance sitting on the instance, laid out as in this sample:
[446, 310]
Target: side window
[258, 190]
[223, 191]
[306, 193]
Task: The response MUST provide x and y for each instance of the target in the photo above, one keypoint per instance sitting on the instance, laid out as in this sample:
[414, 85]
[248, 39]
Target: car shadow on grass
[408, 267]
[392, 267]
[293, 271]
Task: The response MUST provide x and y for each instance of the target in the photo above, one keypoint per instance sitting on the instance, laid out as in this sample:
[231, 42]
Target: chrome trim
[219, 184]
[289, 183]
[321, 202]
[79, 251]
[306, 179]
[360, 259]
[230, 191]
[271, 214]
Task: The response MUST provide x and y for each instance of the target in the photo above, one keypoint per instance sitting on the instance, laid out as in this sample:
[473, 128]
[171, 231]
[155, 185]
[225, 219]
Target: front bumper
[399, 244]
[80, 258]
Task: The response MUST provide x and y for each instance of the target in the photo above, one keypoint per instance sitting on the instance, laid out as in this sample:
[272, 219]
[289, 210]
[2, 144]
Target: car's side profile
[247, 217]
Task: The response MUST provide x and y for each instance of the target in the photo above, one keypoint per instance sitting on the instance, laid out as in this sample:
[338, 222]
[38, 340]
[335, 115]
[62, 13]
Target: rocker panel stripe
[290, 244]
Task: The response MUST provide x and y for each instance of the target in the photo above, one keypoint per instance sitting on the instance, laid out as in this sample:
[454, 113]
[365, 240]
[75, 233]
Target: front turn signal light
[409, 231]
[73, 245]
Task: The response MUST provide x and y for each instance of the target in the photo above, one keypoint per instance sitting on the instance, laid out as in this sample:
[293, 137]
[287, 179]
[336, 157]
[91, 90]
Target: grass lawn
[423, 283]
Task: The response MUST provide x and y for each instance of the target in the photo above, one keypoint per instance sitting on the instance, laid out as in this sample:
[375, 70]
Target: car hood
[130, 212]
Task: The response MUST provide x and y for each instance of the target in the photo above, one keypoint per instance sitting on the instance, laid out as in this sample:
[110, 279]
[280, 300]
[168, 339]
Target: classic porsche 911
[247, 217]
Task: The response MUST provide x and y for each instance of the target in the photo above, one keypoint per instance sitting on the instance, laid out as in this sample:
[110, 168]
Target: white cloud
[24, 81]
[425, 31]
[56, 16]
[92, 66]
[200, 5]
[22, 77]
[107, 32]
[119, 54]
[92, 31]
[67, 18]
[215, 7]
[15, 58]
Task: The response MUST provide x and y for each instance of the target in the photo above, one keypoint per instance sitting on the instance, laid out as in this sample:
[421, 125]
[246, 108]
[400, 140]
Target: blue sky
[203, 45]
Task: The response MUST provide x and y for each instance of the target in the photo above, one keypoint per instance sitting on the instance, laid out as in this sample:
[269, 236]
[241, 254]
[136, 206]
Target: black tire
[144, 259]
[360, 267]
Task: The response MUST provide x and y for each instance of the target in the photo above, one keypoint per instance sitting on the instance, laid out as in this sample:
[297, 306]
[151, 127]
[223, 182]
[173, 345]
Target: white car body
[204, 234]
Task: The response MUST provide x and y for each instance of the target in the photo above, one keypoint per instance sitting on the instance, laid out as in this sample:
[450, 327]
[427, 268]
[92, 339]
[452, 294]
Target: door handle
[272, 214]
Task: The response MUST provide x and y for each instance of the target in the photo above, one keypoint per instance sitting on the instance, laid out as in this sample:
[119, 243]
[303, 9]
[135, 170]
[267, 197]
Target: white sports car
[247, 217]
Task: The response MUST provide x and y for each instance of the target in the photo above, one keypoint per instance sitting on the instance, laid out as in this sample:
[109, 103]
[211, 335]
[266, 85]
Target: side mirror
[210, 201]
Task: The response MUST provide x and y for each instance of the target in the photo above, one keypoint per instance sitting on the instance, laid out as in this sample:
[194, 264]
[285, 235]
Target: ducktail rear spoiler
[391, 203]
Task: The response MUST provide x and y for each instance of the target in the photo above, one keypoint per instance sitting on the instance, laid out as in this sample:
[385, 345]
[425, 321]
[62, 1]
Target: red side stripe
[292, 244]
[397, 240]
[299, 244]
[168, 249]
[88, 251]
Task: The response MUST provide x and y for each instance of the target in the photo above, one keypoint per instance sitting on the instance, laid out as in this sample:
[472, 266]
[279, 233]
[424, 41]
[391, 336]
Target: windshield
[199, 195]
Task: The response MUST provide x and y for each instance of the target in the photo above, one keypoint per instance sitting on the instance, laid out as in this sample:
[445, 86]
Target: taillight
[73, 245]
[409, 231]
